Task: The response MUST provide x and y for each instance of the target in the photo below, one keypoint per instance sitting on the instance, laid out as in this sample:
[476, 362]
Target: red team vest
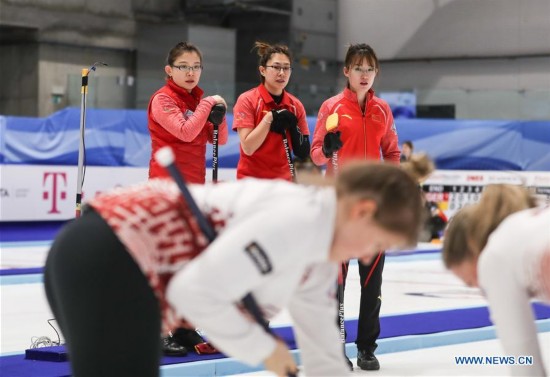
[190, 156]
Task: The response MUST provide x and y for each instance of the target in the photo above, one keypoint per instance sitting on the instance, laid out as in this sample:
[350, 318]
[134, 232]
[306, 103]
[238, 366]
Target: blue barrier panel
[121, 138]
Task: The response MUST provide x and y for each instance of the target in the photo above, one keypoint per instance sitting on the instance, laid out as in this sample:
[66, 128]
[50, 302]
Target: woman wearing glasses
[267, 115]
[178, 115]
[365, 130]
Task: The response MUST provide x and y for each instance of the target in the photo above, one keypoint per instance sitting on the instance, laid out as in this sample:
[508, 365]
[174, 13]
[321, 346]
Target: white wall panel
[403, 29]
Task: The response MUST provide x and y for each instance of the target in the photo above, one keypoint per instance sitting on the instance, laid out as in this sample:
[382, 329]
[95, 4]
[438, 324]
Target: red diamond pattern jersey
[259, 249]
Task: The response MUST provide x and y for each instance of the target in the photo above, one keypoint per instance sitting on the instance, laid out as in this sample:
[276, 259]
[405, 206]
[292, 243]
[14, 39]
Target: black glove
[282, 121]
[300, 143]
[216, 114]
[332, 143]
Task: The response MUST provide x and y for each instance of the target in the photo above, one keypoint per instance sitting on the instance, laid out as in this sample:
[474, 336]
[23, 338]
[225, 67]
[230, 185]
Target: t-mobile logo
[53, 192]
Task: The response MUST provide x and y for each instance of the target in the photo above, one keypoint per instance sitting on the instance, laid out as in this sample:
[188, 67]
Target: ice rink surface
[439, 361]
[412, 284]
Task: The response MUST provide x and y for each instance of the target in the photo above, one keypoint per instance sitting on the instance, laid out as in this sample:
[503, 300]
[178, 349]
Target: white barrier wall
[45, 192]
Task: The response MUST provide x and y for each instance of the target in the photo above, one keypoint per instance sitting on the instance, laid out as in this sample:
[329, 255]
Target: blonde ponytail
[468, 231]
[497, 202]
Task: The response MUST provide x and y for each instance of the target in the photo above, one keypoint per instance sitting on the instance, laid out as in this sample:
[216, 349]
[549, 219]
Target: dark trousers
[103, 303]
[368, 327]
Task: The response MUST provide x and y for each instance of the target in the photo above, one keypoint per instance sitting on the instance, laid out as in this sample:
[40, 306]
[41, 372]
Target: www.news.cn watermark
[494, 360]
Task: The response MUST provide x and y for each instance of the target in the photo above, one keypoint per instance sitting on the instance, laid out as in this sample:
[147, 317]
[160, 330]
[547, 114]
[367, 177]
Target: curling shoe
[193, 341]
[171, 348]
[367, 361]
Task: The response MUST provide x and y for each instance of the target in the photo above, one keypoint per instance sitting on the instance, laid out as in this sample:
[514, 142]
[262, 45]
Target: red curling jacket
[367, 136]
[179, 119]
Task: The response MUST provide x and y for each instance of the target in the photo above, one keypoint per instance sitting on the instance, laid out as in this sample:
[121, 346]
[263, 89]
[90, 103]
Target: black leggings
[105, 308]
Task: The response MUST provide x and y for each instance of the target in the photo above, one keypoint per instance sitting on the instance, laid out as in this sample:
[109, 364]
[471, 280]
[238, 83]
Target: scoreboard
[454, 189]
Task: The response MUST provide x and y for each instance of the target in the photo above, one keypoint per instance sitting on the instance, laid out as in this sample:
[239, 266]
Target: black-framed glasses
[188, 68]
[280, 68]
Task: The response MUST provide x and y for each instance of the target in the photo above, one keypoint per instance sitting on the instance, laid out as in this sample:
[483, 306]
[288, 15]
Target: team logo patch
[240, 116]
[259, 257]
[376, 117]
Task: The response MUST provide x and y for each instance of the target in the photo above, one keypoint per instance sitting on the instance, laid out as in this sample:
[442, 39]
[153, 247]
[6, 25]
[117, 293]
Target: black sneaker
[193, 341]
[367, 361]
[171, 348]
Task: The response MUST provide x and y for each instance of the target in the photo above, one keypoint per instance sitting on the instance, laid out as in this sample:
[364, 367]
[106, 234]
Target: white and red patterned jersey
[513, 268]
[273, 241]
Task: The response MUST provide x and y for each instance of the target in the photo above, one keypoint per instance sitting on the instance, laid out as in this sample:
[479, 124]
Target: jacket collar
[266, 96]
[352, 96]
[196, 93]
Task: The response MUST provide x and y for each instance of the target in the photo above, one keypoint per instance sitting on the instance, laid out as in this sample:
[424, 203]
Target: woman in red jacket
[178, 115]
[364, 130]
[264, 115]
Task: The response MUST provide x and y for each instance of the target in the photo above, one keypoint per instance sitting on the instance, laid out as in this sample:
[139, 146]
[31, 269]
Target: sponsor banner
[454, 189]
[48, 192]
